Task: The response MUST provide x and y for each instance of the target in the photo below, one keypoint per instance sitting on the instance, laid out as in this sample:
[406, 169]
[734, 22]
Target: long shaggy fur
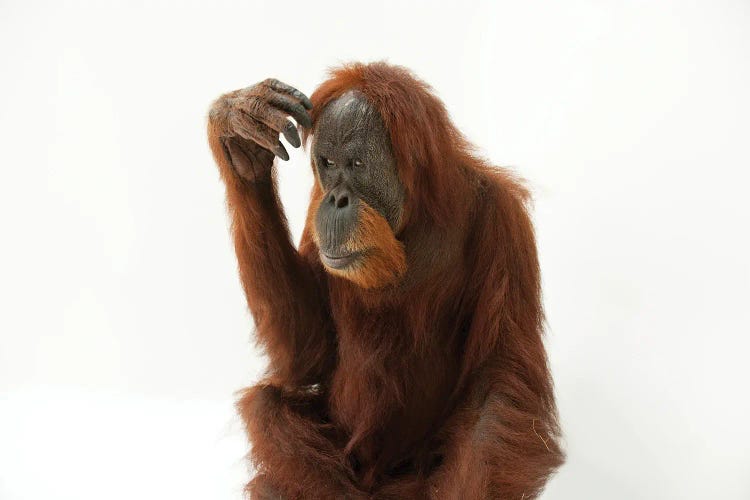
[435, 387]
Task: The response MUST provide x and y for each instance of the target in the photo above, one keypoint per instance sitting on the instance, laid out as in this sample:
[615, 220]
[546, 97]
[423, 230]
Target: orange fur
[434, 387]
[383, 261]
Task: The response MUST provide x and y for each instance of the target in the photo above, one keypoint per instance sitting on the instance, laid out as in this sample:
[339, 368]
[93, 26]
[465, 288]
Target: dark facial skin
[352, 153]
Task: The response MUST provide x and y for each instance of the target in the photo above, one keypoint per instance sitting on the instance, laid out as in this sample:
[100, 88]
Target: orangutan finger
[275, 120]
[248, 128]
[285, 88]
[295, 109]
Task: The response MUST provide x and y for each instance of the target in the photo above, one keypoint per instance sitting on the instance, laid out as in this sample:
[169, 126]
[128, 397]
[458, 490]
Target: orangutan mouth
[339, 261]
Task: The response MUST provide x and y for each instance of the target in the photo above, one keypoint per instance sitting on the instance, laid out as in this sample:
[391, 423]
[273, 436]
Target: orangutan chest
[396, 389]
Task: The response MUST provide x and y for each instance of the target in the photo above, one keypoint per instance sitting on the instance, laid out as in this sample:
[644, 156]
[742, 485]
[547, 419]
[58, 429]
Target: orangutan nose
[339, 197]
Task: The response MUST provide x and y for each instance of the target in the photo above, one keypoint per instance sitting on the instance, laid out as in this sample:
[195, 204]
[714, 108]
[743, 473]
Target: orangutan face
[357, 218]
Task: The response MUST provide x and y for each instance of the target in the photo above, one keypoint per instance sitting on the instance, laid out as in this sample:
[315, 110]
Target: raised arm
[283, 289]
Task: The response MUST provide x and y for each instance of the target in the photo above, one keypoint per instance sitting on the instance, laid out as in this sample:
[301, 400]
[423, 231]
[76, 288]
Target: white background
[123, 330]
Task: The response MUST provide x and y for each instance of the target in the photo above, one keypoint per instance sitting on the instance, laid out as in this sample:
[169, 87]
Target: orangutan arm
[503, 442]
[297, 452]
[499, 447]
[282, 290]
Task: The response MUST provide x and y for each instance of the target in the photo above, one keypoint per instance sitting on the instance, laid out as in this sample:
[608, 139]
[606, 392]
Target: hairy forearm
[502, 445]
[291, 439]
[282, 292]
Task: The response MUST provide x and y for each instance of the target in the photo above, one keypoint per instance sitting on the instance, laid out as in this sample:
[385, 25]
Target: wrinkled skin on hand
[250, 121]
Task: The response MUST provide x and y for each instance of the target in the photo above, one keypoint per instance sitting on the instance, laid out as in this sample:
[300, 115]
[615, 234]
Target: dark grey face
[352, 154]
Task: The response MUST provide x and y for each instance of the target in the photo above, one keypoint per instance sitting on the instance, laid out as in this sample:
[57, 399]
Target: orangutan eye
[326, 162]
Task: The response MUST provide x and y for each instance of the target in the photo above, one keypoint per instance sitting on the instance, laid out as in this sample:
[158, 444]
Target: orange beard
[382, 261]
